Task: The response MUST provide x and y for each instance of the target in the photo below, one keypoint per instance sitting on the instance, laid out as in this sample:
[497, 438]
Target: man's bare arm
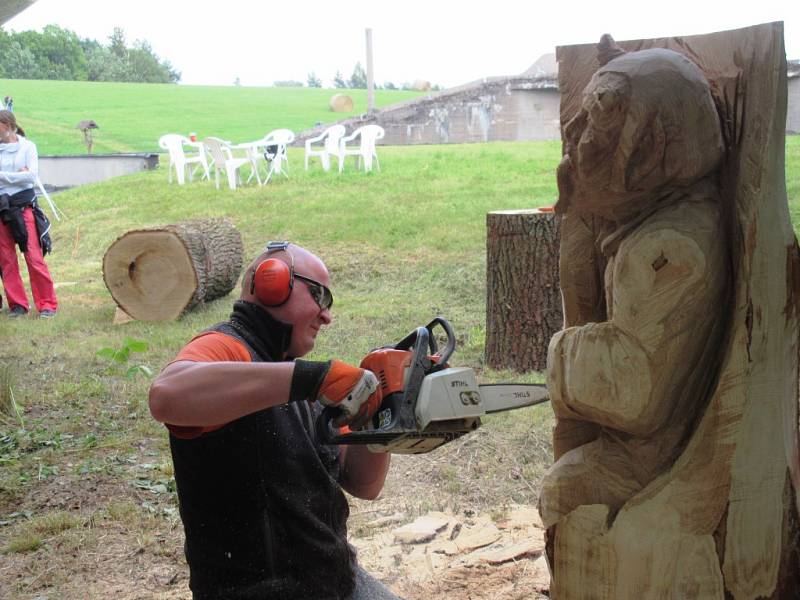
[363, 472]
[201, 394]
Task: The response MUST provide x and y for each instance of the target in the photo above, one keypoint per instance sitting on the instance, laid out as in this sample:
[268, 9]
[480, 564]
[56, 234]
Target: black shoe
[47, 314]
[17, 311]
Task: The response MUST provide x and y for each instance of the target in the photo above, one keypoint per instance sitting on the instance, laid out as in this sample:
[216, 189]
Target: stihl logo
[458, 384]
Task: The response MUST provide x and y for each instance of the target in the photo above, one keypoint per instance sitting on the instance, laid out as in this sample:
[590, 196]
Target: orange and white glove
[355, 391]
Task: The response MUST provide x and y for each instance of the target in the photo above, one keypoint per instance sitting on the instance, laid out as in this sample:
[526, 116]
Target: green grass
[132, 116]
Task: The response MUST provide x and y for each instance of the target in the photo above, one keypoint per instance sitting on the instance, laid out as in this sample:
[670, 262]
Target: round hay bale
[420, 85]
[341, 103]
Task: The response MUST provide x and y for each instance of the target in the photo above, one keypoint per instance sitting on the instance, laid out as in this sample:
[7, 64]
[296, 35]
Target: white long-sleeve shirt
[13, 157]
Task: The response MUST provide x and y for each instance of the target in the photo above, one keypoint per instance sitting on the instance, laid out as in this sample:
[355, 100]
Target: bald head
[301, 309]
[304, 262]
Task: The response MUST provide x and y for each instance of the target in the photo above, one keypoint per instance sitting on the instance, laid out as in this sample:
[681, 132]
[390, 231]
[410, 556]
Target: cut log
[523, 301]
[675, 383]
[158, 274]
[341, 103]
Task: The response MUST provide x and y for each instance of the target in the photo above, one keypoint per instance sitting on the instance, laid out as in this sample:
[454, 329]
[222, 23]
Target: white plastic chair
[275, 143]
[53, 207]
[365, 152]
[174, 144]
[330, 138]
[223, 157]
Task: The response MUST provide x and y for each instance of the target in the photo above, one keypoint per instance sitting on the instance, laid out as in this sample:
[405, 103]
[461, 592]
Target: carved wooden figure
[674, 382]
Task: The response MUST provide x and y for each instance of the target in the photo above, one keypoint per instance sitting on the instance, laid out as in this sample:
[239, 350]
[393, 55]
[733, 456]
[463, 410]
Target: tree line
[357, 80]
[58, 53]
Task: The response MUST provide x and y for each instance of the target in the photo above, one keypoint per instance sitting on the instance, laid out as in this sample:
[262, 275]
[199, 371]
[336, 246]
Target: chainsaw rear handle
[424, 335]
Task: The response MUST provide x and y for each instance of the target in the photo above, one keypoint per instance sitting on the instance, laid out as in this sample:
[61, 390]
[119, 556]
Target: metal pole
[370, 80]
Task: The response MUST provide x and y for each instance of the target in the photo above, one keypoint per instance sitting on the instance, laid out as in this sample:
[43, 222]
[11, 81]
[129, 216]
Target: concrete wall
[793, 107]
[69, 171]
[501, 108]
[515, 108]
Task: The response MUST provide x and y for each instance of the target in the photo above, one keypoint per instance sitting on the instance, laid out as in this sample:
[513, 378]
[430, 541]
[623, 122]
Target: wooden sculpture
[674, 382]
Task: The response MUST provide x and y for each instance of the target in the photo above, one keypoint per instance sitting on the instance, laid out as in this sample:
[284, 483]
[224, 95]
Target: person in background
[260, 493]
[8, 103]
[18, 168]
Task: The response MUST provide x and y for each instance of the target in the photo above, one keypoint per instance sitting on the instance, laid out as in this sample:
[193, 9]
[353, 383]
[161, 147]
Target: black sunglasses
[320, 293]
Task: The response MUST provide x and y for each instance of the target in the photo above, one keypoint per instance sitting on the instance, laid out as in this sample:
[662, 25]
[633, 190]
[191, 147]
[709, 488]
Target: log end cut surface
[150, 275]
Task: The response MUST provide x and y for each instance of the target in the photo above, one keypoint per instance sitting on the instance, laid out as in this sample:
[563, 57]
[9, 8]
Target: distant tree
[19, 63]
[237, 82]
[358, 80]
[116, 43]
[436, 88]
[99, 61]
[145, 67]
[58, 53]
[313, 80]
[287, 83]
[338, 80]
[389, 86]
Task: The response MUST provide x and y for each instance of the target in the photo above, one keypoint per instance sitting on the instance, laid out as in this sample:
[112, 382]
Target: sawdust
[462, 556]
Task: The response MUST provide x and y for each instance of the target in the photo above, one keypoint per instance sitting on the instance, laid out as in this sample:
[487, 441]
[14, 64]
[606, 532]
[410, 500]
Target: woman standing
[19, 163]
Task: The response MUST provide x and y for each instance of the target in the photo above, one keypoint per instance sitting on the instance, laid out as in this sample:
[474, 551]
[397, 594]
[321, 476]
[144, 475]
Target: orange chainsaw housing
[389, 366]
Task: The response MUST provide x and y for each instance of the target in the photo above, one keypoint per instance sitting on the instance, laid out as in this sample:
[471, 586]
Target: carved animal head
[647, 126]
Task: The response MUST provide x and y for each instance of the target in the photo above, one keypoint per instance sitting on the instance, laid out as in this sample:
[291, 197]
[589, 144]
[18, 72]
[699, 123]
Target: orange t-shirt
[210, 346]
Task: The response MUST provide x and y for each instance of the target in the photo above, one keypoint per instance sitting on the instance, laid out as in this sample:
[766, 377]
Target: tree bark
[523, 302]
[158, 274]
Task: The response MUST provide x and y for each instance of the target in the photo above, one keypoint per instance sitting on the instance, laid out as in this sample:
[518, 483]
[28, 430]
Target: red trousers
[44, 294]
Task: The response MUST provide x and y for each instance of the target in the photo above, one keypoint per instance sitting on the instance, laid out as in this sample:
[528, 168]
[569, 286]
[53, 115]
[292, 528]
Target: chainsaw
[426, 402]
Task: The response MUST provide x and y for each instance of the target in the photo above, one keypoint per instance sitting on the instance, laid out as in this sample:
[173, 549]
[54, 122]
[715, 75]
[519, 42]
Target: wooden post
[370, 79]
[157, 274]
[523, 302]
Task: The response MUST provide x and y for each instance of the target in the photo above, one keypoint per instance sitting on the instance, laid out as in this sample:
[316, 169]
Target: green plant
[120, 356]
[8, 405]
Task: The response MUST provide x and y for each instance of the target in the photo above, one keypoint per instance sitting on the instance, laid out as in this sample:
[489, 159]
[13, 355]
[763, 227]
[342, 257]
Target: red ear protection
[273, 279]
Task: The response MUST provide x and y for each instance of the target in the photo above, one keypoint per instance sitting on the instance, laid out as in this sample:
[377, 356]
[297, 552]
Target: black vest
[262, 510]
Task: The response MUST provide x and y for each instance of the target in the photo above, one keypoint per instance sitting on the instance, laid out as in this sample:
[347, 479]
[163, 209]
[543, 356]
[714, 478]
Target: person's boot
[17, 311]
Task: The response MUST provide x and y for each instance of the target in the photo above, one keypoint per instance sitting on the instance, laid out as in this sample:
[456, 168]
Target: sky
[445, 42]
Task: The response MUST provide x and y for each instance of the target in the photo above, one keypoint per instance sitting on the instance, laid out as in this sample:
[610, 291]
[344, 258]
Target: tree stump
[158, 274]
[523, 302]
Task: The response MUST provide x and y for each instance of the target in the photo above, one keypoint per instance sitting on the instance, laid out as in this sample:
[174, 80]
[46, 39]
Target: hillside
[132, 116]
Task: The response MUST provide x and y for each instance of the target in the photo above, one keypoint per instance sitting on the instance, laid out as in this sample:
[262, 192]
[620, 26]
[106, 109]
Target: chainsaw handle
[449, 348]
[326, 431]
[422, 339]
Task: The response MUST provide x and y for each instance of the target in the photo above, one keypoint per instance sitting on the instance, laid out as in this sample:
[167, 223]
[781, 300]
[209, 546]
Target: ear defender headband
[273, 279]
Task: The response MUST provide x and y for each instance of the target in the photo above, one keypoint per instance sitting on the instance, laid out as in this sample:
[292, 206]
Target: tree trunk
[682, 479]
[157, 274]
[523, 302]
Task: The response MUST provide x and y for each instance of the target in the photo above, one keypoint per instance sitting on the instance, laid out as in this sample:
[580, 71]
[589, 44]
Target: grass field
[87, 502]
[132, 116]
